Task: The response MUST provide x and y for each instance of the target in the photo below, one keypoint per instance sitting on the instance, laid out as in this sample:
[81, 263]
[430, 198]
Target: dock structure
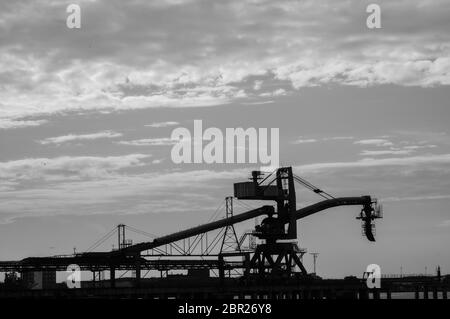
[210, 260]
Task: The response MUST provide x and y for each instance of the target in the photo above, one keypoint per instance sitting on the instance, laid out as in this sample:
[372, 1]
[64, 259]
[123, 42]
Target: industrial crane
[277, 255]
[278, 230]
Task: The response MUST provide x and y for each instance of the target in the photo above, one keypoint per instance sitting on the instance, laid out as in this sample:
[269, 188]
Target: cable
[313, 188]
[271, 173]
[141, 232]
[245, 205]
[213, 217]
[152, 236]
[101, 240]
[216, 240]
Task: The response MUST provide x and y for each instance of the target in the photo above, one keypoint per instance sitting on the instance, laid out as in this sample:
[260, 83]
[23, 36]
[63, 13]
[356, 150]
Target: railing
[387, 276]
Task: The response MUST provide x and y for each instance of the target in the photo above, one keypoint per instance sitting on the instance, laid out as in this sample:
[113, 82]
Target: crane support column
[138, 269]
[112, 276]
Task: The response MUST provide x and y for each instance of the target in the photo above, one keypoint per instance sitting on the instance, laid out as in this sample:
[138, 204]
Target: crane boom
[264, 210]
[329, 203]
[164, 240]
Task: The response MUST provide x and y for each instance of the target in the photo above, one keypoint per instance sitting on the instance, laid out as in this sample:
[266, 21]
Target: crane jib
[264, 210]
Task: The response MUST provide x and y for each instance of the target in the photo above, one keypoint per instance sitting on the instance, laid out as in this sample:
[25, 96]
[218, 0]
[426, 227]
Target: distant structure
[44, 279]
[230, 242]
[122, 241]
[315, 255]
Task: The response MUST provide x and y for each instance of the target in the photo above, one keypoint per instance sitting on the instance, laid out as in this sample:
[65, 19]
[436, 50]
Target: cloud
[385, 152]
[186, 53]
[257, 85]
[82, 188]
[418, 147]
[259, 102]
[402, 148]
[17, 123]
[161, 191]
[445, 223]
[277, 92]
[337, 138]
[302, 140]
[375, 142]
[162, 124]
[68, 168]
[305, 141]
[424, 161]
[414, 198]
[81, 137]
[149, 142]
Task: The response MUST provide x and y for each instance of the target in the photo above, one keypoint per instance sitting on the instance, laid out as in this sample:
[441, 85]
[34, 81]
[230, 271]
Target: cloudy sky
[86, 117]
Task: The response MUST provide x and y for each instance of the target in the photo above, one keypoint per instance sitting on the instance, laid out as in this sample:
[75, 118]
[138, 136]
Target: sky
[86, 117]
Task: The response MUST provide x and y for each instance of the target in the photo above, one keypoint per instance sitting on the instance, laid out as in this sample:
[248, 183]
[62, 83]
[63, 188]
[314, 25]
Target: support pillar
[376, 294]
[388, 294]
[363, 294]
[112, 276]
[138, 270]
[94, 284]
[435, 293]
[221, 269]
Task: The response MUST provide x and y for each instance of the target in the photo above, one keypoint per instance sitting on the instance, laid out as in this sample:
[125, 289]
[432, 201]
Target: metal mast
[230, 242]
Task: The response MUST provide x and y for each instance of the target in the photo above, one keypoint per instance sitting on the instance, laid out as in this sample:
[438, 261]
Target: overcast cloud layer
[202, 53]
